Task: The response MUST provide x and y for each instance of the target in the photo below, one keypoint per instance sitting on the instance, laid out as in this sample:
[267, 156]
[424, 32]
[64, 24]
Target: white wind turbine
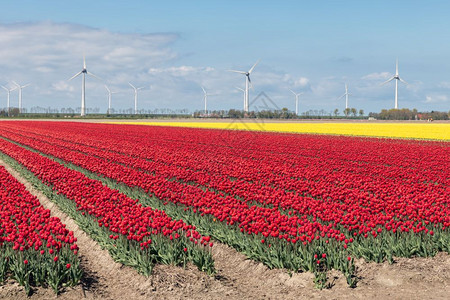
[346, 94]
[20, 87]
[296, 100]
[242, 90]
[397, 78]
[135, 96]
[109, 98]
[248, 82]
[83, 86]
[8, 101]
[205, 97]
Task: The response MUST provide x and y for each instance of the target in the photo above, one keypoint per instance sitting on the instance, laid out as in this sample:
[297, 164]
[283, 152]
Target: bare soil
[237, 277]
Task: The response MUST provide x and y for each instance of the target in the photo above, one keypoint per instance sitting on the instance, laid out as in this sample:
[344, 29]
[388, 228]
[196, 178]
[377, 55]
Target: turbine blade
[292, 92]
[89, 73]
[106, 87]
[16, 83]
[132, 85]
[396, 67]
[75, 76]
[251, 69]
[387, 81]
[240, 72]
[403, 81]
[84, 61]
[5, 88]
[240, 89]
[140, 88]
[341, 96]
[203, 90]
[251, 84]
[24, 86]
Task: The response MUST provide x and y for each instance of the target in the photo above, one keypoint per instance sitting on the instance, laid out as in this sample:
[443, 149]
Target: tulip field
[164, 195]
[432, 131]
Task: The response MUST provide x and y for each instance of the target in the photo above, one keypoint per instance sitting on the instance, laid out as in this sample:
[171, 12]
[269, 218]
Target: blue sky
[171, 48]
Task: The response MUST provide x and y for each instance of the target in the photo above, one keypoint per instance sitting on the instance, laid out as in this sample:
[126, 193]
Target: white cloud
[437, 98]
[180, 71]
[377, 76]
[47, 54]
[62, 86]
[301, 82]
[444, 84]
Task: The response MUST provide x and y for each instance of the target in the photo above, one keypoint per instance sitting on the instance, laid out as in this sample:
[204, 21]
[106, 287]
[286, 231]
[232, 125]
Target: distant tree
[353, 110]
[336, 112]
[13, 112]
[347, 111]
[361, 112]
[233, 113]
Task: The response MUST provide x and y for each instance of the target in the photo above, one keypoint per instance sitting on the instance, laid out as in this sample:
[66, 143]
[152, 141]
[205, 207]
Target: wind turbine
[109, 98]
[296, 100]
[20, 87]
[247, 83]
[205, 97]
[242, 90]
[346, 94]
[397, 78]
[135, 96]
[9, 92]
[83, 71]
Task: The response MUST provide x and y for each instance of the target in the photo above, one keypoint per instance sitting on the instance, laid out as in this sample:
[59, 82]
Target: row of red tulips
[35, 248]
[135, 235]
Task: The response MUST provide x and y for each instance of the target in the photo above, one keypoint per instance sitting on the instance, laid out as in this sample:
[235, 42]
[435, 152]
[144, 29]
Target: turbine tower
[346, 94]
[135, 96]
[205, 97]
[83, 71]
[242, 90]
[20, 87]
[109, 98]
[397, 79]
[9, 92]
[296, 100]
[248, 83]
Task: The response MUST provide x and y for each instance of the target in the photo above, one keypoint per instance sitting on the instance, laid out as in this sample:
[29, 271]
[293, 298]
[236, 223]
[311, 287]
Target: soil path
[237, 277]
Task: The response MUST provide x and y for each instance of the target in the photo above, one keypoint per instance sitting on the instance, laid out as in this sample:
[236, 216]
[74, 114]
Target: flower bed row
[35, 248]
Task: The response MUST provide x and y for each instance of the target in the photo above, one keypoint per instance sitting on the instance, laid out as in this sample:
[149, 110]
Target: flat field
[174, 212]
[405, 130]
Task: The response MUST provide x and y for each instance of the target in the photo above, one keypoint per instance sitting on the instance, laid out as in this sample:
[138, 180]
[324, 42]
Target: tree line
[407, 114]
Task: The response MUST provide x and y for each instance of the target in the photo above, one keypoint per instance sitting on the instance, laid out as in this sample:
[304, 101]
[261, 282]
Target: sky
[172, 48]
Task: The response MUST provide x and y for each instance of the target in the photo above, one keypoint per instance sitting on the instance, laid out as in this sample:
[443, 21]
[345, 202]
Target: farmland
[408, 130]
[161, 195]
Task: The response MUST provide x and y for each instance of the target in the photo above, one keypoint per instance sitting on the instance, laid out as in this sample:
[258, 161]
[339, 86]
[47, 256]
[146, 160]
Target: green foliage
[31, 269]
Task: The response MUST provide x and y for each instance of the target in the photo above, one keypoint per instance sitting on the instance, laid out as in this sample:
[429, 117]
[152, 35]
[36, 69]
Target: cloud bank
[47, 54]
